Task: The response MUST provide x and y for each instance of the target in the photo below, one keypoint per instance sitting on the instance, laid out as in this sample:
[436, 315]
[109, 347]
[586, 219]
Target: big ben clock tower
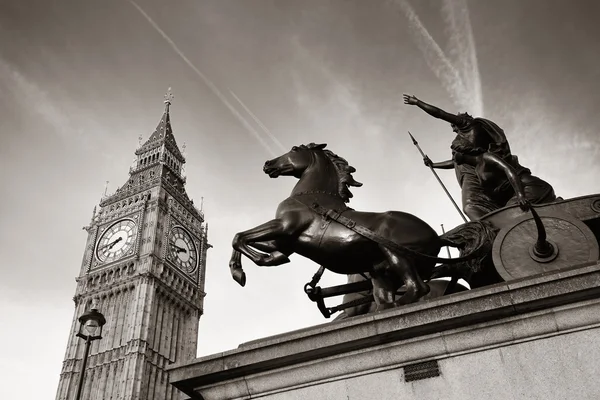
[143, 266]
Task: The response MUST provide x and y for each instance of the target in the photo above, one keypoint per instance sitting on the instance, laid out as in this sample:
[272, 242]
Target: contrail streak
[208, 83]
[462, 47]
[435, 57]
[258, 122]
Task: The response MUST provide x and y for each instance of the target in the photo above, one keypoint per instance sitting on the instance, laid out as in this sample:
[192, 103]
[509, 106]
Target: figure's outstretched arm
[503, 166]
[511, 175]
[508, 170]
[433, 110]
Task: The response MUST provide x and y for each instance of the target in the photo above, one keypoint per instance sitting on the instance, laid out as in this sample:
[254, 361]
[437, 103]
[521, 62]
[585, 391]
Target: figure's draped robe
[481, 195]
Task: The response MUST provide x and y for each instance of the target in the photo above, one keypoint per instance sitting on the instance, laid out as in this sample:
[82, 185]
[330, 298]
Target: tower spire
[168, 99]
[163, 131]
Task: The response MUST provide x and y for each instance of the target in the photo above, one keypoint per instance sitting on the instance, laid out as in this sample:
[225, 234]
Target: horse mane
[344, 171]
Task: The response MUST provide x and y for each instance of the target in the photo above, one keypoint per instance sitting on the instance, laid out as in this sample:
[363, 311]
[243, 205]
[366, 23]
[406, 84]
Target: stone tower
[143, 266]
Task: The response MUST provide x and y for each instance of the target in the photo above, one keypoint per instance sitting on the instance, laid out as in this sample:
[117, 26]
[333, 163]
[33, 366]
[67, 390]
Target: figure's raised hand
[410, 99]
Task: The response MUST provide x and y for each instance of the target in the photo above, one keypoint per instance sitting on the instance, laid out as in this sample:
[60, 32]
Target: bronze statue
[395, 248]
[490, 176]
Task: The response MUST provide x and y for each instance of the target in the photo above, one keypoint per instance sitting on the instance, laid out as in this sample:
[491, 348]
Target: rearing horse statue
[395, 248]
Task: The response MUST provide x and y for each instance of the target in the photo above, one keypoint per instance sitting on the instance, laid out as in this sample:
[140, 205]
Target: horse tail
[471, 237]
[474, 240]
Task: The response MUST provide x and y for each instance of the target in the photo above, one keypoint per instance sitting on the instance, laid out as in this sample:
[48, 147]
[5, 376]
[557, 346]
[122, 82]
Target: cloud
[461, 47]
[32, 97]
[460, 78]
[330, 99]
[435, 57]
[211, 85]
[262, 126]
[59, 114]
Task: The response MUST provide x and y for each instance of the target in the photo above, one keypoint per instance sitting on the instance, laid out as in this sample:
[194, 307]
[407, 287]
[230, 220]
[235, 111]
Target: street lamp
[90, 329]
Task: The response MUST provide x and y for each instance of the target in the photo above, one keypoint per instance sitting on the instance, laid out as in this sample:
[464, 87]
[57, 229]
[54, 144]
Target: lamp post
[90, 329]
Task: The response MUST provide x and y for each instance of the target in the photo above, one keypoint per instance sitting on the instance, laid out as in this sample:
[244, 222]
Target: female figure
[490, 176]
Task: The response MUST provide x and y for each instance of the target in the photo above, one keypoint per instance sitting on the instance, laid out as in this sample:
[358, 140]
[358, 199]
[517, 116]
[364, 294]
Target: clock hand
[115, 242]
[179, 249]
[110, 245]
[105, 246]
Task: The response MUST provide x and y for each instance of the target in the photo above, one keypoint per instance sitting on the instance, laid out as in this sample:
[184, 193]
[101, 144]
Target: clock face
[182, 250]
[116, 241]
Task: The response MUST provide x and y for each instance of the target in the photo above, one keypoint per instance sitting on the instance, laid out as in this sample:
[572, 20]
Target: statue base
[533, 338]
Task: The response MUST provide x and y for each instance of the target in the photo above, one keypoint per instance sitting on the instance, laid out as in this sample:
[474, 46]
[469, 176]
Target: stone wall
[535, 338]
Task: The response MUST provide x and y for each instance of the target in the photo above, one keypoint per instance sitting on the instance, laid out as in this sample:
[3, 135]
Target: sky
[81, 80]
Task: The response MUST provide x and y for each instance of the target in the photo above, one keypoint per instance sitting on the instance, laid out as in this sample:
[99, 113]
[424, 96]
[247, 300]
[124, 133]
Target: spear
[438, 178]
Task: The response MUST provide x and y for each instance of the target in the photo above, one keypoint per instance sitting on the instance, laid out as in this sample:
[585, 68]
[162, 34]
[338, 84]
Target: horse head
[292, 163]
[320, 169]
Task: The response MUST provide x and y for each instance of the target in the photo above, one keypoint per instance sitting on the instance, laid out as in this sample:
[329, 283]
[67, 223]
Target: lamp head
[91, 323]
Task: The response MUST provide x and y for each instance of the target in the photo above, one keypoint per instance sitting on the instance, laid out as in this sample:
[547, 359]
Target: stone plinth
[536, 338]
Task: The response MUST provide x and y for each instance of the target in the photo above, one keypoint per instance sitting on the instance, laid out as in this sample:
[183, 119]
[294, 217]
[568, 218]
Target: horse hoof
[239, 276]
[408, 298]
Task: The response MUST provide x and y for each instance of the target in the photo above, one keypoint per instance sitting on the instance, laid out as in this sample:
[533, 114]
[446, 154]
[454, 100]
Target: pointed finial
[201, 203]
[105, 188]
[140, 140]
[168, 98]
[413, 139]
[447, 247]
[183, 146]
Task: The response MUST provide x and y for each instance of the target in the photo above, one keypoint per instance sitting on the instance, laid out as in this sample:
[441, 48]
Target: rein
[317, 192]
[333, 215]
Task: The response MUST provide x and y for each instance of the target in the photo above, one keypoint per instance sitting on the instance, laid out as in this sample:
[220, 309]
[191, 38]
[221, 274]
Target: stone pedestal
[535, 338]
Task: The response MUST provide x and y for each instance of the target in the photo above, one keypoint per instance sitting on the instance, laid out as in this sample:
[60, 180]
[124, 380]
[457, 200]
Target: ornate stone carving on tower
[144, 264]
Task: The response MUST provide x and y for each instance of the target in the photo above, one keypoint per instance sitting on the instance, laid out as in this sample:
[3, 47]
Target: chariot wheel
[570, 242]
